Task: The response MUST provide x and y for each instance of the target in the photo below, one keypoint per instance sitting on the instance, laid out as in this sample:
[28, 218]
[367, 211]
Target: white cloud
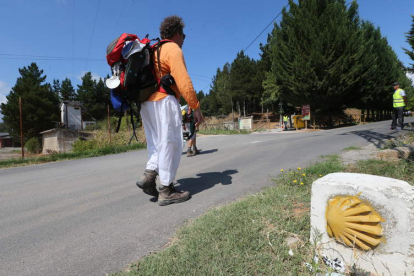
[411, 76]
[95, 76]
[4, 90]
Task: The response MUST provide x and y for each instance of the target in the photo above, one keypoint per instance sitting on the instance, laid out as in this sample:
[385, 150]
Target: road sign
[305, 112]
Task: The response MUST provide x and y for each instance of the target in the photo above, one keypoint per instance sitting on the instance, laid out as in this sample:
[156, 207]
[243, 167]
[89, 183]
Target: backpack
[133, 78]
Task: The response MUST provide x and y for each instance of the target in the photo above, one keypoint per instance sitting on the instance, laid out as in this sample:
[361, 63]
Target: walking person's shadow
[205, 181]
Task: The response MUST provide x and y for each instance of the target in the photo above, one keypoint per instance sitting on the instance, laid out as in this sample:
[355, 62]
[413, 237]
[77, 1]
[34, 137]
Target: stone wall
[60, 140]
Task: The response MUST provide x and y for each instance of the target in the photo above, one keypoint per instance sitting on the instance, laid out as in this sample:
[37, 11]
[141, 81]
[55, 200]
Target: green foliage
[316, 51]
[84, 145]
[236, 86]
[67, 92]
[94, 96]
[3, 127]
[223, 132]
[410, 40]
[352, 148]
[33, 145]
[39, 103]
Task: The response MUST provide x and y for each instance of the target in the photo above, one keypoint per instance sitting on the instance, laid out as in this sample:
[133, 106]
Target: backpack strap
[134, 134]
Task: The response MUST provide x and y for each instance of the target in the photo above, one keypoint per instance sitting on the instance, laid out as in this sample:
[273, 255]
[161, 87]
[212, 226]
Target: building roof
[71, 103]
[5, 135]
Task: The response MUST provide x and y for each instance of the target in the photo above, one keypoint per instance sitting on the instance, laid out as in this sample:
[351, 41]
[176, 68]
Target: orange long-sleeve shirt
[172, 62]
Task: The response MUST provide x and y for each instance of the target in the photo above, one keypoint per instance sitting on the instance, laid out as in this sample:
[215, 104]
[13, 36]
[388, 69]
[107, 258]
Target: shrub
[33, 145]
[83, 145]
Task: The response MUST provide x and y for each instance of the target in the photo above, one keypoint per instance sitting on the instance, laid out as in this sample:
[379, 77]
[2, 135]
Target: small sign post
[306, 114]
[246, 123]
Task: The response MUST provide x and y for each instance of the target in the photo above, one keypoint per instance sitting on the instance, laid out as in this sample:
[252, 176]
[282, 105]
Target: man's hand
[198, 117]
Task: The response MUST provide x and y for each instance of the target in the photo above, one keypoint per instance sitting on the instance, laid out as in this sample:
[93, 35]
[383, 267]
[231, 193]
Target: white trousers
[164, 134]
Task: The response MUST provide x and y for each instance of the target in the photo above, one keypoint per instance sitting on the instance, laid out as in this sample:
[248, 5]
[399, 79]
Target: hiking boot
[169, 195]
[195, 151]
[147, 183]
[190, 153]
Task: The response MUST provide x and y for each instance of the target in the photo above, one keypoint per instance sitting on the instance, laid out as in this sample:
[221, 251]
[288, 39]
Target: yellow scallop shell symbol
[354, 222]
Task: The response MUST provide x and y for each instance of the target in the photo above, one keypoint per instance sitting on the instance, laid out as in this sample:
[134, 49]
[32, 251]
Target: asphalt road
[87, 217]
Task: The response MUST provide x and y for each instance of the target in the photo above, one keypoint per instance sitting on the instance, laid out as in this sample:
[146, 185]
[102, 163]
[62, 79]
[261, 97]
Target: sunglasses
[183, 36]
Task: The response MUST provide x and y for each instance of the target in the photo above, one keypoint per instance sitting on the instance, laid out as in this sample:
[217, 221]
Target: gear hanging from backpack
[133, 78]
[188, 118]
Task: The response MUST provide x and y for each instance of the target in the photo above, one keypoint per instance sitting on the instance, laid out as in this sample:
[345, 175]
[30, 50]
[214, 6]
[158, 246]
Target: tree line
[41, 101]
[321, 53]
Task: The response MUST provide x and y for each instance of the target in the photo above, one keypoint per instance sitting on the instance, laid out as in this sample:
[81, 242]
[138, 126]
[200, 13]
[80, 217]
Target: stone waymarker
[365, 220]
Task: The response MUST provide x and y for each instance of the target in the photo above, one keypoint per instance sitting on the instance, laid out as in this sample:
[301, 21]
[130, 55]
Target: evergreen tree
[200, 95]
[410, 40]
[381, 68]
[224, 93]
[102, 94]
[40, 105]
[56, 87]
[86, 94]
[94, 96]
[242, 74]
[315, 53]
[67, 92]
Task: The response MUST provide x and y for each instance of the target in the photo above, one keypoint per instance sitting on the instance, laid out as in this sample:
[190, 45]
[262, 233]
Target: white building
[71, 115]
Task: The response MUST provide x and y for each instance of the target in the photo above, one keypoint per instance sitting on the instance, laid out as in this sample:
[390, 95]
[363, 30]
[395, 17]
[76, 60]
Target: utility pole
[21, 126]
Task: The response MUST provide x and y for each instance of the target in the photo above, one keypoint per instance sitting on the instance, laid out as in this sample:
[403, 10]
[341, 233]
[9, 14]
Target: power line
[200, 76]
[52, 59]
[119, 18]
[206, 86]
[93, 32]
[265, 28]
[259, 35]
[195, 78]
[36, 57]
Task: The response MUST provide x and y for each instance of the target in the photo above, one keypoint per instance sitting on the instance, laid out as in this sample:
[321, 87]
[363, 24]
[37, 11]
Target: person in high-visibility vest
[285, 121]
[399, 102]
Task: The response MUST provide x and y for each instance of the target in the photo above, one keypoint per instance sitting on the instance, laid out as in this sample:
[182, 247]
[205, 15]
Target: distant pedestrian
[285, 122]
[399, 102]
[187, 126]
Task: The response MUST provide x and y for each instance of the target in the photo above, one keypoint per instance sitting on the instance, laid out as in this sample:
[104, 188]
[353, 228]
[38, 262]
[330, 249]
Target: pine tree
[56, 87]
[40, 105]
[241, 81]
[102, 94]
[410, 40]
[315, 53]
[224, 93]
[94, 96]
[67, 92]
[86, 94]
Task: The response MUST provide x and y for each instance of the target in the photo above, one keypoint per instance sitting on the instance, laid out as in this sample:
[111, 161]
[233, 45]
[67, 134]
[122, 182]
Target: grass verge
[68, 156]
[352, 148]
[248, 237]
[223, 132]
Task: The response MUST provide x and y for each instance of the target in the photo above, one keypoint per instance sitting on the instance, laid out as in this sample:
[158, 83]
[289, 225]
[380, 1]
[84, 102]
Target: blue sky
[67, 38]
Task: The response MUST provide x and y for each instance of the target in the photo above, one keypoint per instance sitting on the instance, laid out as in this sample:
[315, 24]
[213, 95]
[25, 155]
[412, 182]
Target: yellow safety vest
[285, 118]
[398, 99]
